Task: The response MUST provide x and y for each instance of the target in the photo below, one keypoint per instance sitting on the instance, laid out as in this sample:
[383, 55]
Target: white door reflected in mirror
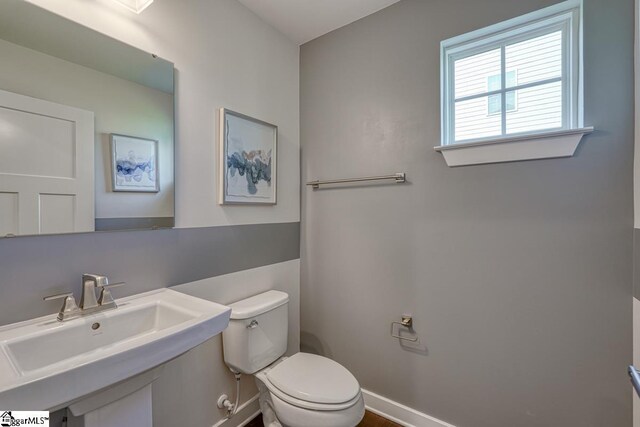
[46, 167]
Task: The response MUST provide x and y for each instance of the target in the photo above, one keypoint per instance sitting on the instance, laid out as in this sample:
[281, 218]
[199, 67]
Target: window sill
[512, 149]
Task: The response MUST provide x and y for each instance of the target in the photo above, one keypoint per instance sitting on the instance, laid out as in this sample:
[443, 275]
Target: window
[515, 79]
[495, 101]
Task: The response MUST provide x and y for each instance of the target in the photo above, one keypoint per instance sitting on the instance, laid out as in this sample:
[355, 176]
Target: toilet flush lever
[253, 324]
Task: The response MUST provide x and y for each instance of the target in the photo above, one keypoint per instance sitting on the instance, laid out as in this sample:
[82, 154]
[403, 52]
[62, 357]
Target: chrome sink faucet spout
[88, 302]
[89, 284]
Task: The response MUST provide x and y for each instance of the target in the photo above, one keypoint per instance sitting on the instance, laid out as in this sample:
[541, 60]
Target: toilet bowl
[303, 390]
[311, 391]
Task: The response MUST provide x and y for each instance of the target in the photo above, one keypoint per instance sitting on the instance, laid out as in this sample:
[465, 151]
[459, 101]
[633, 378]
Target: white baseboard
[399, 413]
[246, 412]
[375, 403]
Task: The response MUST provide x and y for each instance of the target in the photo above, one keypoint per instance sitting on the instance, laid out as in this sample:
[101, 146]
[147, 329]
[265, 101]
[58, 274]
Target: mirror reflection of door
[46, 167]
[60, 103]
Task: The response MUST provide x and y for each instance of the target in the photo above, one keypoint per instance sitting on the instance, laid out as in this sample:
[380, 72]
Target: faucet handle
[111, 285]
[106, 298]
[69, 307]
[58, 296]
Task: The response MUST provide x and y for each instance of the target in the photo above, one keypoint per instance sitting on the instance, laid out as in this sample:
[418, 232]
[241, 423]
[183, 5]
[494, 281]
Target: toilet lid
[315, 379]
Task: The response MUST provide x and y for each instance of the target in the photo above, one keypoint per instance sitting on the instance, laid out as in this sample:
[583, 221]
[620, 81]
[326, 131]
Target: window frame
[566, 17]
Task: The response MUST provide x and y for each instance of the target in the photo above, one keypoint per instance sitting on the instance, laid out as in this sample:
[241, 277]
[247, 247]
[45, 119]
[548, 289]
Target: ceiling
[304, 20]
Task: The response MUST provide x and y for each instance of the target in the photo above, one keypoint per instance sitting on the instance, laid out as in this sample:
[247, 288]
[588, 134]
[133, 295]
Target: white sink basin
[46, 364]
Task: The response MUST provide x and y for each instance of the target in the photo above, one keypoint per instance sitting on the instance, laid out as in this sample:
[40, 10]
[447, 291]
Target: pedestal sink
[105, 359]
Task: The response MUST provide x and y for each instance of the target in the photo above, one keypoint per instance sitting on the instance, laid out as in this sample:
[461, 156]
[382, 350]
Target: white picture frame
[247, 160]
[134, 164]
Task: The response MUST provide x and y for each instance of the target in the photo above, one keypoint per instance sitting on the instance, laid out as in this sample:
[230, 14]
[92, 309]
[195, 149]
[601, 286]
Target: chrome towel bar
[399, 178]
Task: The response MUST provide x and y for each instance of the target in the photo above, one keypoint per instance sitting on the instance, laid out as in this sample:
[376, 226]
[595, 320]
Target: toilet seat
[314, 378]
[313, 382]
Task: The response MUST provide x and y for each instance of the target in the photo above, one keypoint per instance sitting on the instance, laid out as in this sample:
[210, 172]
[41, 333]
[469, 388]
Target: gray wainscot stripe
[115, 224]
[636, 263]
[33, 267]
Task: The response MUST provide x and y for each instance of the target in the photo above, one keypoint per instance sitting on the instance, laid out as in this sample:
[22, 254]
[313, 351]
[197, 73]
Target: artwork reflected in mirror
[86, 129]
[134, 165]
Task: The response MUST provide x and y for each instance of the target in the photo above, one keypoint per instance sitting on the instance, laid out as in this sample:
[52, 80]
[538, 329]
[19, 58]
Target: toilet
[303, 390]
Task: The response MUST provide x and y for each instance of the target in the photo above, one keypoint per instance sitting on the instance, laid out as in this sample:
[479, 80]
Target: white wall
[225, 56]
[120, 106]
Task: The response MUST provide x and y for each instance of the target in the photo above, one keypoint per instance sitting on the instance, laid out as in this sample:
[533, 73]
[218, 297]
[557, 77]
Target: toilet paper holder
[406, 322]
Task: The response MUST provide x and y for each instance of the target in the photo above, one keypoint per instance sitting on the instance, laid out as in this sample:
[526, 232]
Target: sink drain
[95, 326]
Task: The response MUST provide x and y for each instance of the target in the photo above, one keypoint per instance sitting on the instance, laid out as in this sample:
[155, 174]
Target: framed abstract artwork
[134, 164]
[247, 160]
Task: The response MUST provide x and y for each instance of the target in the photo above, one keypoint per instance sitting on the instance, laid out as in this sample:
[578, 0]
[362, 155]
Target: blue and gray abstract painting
[255, 165]
[134, 168]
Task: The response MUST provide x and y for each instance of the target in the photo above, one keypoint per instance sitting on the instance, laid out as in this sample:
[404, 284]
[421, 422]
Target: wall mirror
[86, 129]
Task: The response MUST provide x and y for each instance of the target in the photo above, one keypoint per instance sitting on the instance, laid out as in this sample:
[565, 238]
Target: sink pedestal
[132, 410]
[124, 404]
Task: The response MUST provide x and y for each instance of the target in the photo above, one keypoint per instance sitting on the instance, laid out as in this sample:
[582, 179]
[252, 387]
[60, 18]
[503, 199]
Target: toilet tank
[257, 332]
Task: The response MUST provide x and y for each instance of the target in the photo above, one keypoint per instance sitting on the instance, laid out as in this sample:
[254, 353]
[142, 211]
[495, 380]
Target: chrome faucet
[89, 284]
[88, 302]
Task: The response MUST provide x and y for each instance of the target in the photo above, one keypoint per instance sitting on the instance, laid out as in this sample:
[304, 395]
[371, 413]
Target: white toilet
[304, 390]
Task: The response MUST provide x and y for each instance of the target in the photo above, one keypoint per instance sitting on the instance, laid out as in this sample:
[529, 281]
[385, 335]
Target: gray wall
[34, 267]
[519, 276]
[636, 263]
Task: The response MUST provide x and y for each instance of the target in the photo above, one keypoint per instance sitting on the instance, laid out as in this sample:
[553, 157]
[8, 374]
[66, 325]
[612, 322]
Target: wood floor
[370, 420]
[256, 422]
